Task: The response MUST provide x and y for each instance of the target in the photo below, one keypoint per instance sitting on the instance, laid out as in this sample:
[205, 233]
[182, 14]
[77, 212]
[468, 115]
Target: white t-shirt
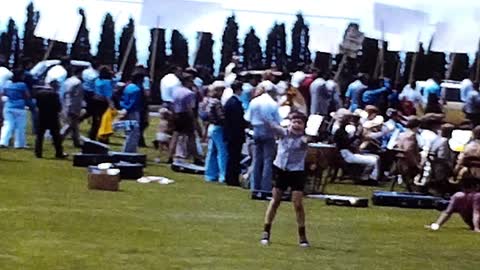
[168, 85]
[5, 75]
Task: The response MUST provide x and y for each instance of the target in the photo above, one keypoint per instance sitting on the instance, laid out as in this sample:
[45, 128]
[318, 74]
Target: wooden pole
[154, 53]
[450, 67]
[413, 64]
[49, 50]
[153, 59]
[127, 53]
[340, 67]
[379, 66]
[397, 72]
[477, 73]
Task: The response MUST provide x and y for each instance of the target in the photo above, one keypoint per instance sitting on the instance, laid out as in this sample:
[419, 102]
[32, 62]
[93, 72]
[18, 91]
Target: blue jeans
[14, 123]
[133, 133]
[263, 155]
[216, 162]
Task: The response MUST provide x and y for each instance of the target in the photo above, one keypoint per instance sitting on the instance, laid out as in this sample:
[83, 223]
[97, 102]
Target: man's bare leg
[297, 200]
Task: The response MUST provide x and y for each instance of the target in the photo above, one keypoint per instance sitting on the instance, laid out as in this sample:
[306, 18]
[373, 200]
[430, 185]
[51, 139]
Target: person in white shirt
[315, 87]
[5, 76]
[168, 84]
[262, 112]
[466, 88]
[412, 94]
[72, 100]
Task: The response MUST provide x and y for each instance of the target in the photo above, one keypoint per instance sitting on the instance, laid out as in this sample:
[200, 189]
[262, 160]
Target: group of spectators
[373, 123]
[61, 96]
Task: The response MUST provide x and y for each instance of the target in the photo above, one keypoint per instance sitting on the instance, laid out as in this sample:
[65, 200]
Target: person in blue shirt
[101, 99]
[31, 80]
[247, 89]
[131, 103]
[89, 76]
[432, 88]
[354, 92]
[15, 117]
[374, 94]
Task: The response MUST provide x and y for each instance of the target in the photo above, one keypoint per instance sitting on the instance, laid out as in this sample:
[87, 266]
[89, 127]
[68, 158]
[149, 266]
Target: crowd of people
[61, 96]
[256, 116]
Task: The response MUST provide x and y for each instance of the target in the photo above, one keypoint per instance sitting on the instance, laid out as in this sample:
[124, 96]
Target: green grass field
[49, 220]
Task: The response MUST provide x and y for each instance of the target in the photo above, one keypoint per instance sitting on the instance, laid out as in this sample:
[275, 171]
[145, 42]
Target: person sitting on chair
[436, 154]
[409, 159]
[349, 152]
[470, 153]
[466, 203]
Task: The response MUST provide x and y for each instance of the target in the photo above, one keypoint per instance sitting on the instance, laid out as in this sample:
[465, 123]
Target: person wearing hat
[466, 203]
[261, 114]
[408, 164]
[346, 144]
[49, 108]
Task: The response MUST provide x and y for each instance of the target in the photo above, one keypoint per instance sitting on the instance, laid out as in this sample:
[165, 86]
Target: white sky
[335, 13]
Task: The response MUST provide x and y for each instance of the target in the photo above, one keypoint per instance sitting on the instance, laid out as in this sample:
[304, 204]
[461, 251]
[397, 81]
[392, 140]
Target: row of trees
[12, 47]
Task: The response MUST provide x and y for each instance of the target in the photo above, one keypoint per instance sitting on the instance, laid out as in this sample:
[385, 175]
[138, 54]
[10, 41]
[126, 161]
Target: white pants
[370, 161]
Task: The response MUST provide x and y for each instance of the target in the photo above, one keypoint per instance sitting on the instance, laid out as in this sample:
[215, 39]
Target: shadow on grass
[12, 160]
[313, 246]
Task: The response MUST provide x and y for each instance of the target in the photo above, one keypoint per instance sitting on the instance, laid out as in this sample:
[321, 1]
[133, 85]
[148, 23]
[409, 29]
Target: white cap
[297, 79]
[230, 79]
[57, 73]
[268, 86]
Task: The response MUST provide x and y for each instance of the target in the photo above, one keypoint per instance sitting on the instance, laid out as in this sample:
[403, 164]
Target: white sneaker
[265, 239]
[304, 244]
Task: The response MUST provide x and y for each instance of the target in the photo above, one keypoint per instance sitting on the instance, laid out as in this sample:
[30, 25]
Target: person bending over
[290, 173]
[466, 203]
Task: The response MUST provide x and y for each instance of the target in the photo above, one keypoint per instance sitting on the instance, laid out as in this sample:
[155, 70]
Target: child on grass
[164, 132]
[466, 203]
[290, 173]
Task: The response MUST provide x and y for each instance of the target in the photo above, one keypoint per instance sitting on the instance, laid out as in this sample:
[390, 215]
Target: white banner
[456, 38]
[397, 20]
[183, 15]
[325, 39]
[60, 24]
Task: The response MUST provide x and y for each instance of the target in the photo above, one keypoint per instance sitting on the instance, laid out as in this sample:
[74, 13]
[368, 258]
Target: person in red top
[466, 204]
[304, 87]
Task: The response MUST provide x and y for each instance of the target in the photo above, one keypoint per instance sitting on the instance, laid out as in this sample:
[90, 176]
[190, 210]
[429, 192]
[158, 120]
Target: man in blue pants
[263, 115]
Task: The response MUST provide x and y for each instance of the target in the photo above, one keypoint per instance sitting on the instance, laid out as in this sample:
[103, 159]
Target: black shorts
[184, 123]
[285, 179]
